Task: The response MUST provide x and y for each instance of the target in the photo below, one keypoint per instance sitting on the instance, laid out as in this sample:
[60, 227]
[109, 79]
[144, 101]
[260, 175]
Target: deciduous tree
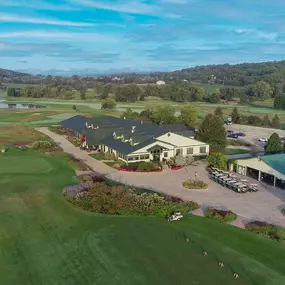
[188, 115]
[276, 122]
[218, 160]
[108, 104]
[212, 131]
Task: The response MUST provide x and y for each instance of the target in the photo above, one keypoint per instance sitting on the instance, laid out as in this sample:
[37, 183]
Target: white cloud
[259, 34]
[19, 19]
[36, 5]
[86, 37]
[132, 7]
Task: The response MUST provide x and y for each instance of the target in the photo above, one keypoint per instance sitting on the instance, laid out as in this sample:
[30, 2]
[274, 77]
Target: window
[130, 158]
[190, 150]
[179, 151]
[146, 156]
[166, 154]
[202, 149]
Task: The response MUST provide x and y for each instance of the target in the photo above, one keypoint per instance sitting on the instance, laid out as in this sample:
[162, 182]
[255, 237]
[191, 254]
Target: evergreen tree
[219, 112]
[266, 121]
[276, 122]
[212, 131]
[273, 144]
[235, 116]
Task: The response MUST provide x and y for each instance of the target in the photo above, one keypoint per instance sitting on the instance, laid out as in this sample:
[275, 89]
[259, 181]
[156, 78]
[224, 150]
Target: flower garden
[223, 216]
[195, 184]
[98, 194]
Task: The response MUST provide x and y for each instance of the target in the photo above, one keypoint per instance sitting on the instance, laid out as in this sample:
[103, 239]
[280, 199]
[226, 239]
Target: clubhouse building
[133, 141]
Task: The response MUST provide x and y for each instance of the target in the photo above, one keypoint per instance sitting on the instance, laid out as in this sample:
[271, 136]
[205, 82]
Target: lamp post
[196, 177]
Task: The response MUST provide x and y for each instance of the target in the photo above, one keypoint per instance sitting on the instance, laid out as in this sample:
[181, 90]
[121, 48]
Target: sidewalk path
[264, 205]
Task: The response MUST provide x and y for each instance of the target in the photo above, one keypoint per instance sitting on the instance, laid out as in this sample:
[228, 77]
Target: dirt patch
[36, 114]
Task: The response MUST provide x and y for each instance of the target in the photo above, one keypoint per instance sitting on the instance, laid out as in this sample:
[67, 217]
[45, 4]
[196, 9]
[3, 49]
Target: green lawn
[20, 134]
[22, 164]
[230, 151]
[45, 240]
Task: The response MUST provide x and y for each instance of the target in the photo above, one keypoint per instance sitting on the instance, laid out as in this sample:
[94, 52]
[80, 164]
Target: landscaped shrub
[74, 140]
[73, 190]
[266, 230]
[117, 199]
[85, 178]
[220, 215]
[43, 145]
[57, 129]
[190, 184]
[147, 166]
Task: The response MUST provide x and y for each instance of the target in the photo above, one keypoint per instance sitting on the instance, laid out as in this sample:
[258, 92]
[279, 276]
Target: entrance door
[156, 154]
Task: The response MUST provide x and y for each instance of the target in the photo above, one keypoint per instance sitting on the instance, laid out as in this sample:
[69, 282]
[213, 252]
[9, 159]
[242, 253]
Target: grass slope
[45, 240]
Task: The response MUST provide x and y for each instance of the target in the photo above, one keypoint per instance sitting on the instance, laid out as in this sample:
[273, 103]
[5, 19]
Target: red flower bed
[177, 167]
[132, 170]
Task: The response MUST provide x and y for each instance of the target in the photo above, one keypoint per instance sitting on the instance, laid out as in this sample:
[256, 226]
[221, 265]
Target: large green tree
[212, 131]
[130, 114]
[108, 103]
[275, 122]
[266, 121]
[188, 115]
[261, 90]
[235, 116]
[218, 160]
[273, 144]
[219, 112]
[163, 115]
[279, 102]
[214, 98]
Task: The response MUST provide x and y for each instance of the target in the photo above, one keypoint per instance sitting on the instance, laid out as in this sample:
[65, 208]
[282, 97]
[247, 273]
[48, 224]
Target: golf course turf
[46, 240]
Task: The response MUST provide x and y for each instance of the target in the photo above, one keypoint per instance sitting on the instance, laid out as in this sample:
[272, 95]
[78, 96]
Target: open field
[20, 134]
[93, 108]
[45, 240]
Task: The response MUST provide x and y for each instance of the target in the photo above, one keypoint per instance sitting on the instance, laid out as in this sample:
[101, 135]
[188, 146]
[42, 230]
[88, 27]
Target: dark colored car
[241, 134]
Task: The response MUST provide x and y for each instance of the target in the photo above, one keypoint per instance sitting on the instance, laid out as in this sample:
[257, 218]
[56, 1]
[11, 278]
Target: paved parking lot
[253, 133]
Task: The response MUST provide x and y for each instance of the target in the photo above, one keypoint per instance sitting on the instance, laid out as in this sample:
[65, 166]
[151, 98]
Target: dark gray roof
[141, 133]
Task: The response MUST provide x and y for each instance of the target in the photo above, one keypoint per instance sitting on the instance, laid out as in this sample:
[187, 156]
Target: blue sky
[138, 35]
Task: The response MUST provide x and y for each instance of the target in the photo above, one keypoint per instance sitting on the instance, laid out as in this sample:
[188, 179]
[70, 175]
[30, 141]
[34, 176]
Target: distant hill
[231, 75]
[11, 73]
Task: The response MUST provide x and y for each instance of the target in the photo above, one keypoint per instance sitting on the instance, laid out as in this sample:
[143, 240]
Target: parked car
[262, 139]
[233, 136]
[176, 216]
[241, 134]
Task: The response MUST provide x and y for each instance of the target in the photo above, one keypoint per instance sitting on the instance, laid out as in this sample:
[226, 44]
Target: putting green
[23, 164]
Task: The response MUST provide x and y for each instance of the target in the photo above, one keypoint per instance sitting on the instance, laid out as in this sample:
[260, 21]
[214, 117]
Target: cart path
[264, 205]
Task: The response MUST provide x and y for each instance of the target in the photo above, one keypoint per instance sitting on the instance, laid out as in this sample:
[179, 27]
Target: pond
[4, 105]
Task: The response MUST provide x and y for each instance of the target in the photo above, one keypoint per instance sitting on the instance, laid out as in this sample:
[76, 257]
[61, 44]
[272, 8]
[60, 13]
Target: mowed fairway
[45, 240]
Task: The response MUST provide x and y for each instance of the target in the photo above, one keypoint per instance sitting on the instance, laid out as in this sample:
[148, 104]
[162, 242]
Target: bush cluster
[118, 199]
[140, 166]
[190, 184]
[43, 145]
[220, 215]
[266, 230]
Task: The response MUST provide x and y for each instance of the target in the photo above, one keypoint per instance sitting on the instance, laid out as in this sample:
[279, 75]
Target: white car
[262, 139]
